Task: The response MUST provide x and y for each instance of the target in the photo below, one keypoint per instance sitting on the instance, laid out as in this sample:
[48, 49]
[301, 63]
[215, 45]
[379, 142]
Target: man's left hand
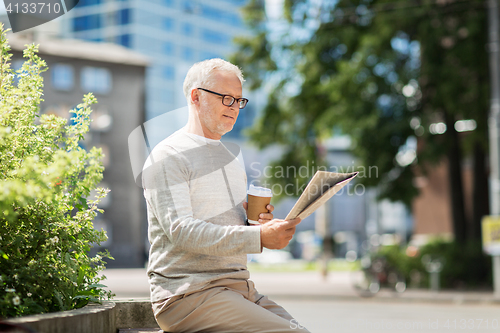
[263, 217]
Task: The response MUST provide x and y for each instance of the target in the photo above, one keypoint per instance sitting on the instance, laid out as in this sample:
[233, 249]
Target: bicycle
[376, 273]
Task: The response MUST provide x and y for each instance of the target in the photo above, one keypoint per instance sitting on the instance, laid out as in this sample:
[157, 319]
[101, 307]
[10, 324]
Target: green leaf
[84, 202]
[4, 255]
[97, 285]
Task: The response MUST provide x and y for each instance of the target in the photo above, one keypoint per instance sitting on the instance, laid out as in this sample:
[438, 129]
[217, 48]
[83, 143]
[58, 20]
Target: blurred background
[396, 90]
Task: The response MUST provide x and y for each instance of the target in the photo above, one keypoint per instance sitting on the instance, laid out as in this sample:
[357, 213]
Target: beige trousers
[227, 305]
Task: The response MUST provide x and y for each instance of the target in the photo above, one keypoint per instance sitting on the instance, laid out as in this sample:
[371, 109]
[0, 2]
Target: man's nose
[234, 111]
[235, 106]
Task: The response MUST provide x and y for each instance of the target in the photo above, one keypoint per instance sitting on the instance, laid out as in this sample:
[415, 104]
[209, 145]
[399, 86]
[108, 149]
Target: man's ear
[195, 96]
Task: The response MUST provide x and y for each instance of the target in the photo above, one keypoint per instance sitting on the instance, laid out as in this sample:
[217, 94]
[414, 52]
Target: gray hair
[201, 74]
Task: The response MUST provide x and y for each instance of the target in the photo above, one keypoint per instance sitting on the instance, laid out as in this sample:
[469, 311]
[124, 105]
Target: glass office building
[172, 33]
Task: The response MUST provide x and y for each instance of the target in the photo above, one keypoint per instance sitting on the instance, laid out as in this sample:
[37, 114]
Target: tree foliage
[395, 75]
[46, 210]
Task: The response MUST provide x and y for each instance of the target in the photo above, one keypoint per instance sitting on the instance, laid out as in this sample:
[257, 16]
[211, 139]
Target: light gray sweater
[194, 189]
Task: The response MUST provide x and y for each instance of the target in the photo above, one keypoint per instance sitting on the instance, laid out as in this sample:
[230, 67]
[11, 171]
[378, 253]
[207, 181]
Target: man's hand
[276, 234]
[263, 217]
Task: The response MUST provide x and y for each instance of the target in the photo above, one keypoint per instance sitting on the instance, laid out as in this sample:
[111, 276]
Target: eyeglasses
[229, 100]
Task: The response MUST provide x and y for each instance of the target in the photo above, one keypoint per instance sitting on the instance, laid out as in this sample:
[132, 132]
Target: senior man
[195, 190]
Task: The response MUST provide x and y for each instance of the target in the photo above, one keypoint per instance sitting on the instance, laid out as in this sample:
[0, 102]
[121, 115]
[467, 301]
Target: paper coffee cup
[258, 199]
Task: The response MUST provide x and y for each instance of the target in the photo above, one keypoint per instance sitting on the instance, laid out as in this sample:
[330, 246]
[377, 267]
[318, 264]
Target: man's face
[218, 119]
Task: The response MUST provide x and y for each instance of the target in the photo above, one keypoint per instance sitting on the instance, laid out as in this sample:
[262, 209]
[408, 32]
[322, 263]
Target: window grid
[96, 79]
[63, 77]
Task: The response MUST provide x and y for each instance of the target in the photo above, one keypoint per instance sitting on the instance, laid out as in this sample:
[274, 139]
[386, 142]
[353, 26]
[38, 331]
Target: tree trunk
[480, 200]
[455, 179]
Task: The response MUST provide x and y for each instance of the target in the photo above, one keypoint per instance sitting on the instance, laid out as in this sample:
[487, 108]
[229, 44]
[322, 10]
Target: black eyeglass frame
[234, 99]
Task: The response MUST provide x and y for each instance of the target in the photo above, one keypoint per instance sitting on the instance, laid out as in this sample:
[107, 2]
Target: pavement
[133, 284]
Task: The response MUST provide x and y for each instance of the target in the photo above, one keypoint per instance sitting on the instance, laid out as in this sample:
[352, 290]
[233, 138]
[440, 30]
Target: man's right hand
[276, 234]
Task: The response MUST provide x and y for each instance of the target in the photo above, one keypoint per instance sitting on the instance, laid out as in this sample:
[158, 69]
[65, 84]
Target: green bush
[46, 211]
[396, 257]
[464, 266]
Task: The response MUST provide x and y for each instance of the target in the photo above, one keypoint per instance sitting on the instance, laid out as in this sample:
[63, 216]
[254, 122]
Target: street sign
[491, 235]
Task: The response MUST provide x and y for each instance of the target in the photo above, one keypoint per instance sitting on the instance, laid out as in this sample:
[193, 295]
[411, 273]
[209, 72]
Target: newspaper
[322, 187]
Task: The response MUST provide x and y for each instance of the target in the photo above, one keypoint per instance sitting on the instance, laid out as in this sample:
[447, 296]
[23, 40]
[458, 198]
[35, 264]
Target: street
[365, 316]
[332, 306]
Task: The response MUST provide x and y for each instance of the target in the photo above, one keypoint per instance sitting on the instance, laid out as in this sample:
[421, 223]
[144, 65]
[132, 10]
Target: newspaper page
[322, 187]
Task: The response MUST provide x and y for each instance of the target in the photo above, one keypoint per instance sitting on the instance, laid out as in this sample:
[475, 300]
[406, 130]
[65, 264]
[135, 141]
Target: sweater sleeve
[167, 192]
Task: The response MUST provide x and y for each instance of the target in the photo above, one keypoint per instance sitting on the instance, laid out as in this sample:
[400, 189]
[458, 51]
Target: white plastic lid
[260, 191]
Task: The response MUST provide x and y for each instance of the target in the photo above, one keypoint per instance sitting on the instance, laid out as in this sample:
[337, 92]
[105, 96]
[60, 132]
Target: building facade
[174, 34]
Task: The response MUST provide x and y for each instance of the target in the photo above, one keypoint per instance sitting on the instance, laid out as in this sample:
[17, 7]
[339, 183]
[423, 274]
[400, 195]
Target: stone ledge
[92, 318]
[134, 313]
[133, 316]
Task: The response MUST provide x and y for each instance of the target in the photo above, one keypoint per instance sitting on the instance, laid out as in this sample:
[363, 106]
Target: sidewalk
[132, 283]
[338, 286]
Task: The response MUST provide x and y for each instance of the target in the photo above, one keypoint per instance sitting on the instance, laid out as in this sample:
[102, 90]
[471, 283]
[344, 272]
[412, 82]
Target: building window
[123, 16]
[212, 13]
[187, 53]
[169, 72]
[96, 79]
[168, 23]
[88, 22]
[237, 2]
[63, 77]
[222, 16]
[124, 40]
[169, 3]
[190, 7]
[168, 48]
[83, 3]
[187, 29]
[216, 37]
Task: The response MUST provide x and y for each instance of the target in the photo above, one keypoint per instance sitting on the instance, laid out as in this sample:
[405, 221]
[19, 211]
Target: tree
[394, 75]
